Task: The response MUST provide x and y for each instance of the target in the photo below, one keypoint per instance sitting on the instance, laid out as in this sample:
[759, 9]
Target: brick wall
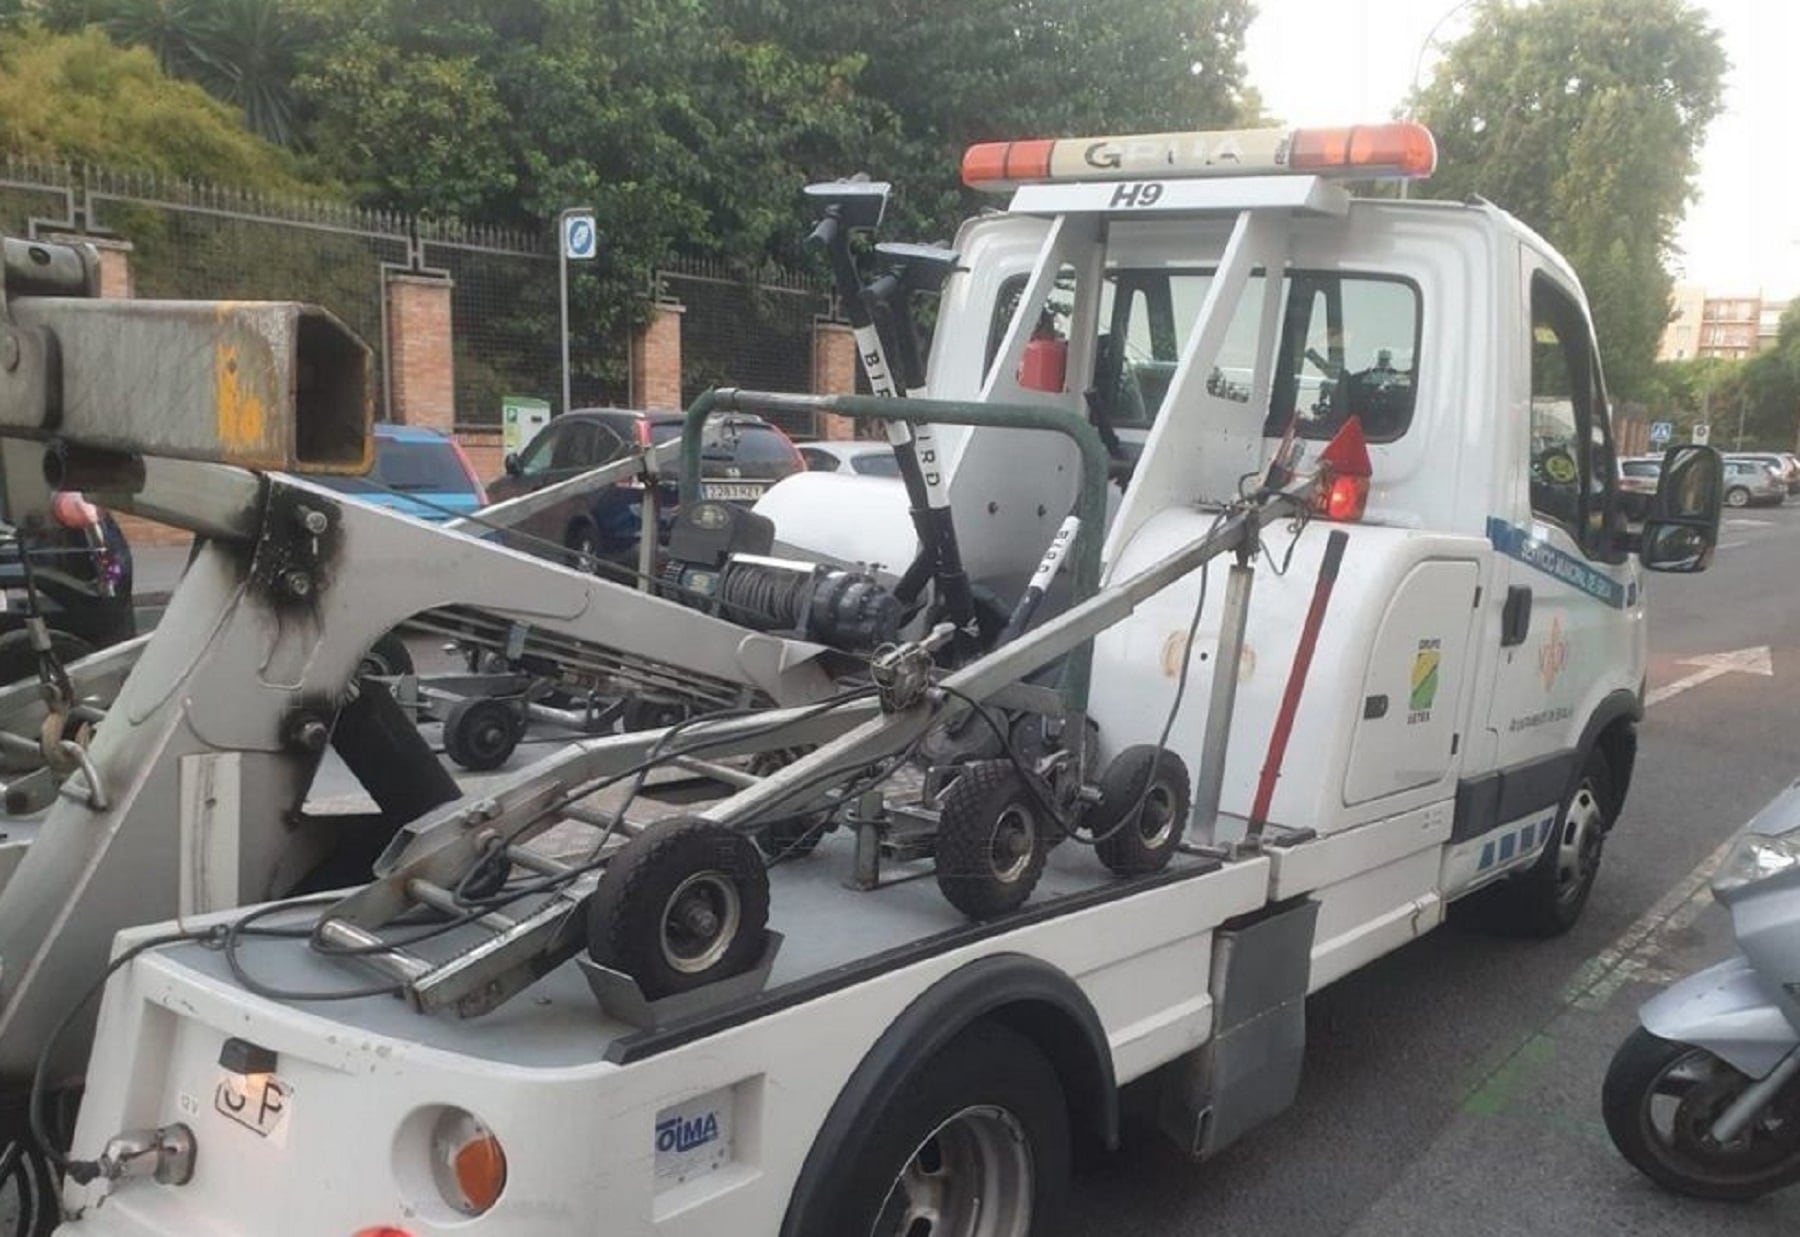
[421, 351]
[485, 452]
[656, 361]
[834, 373]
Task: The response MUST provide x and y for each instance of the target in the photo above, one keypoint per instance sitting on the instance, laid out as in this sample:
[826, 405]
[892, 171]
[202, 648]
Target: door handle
[1515, 616]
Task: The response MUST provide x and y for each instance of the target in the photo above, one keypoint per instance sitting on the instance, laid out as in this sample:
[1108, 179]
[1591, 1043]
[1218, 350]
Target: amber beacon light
[1403, 150]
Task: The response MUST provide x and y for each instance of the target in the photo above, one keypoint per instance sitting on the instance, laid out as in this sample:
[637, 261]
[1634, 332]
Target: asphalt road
[1453, 1087]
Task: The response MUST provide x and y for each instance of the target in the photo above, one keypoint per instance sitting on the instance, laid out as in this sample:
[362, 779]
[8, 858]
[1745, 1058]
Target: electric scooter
[1704, 1097]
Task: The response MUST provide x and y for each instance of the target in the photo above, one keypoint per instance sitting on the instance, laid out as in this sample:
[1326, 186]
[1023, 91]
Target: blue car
[418, 472]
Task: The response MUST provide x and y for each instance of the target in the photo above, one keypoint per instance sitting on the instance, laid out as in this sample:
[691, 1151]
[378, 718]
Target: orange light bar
[1403, 149]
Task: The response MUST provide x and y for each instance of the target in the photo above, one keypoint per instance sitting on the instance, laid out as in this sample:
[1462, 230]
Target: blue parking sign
[580, 239]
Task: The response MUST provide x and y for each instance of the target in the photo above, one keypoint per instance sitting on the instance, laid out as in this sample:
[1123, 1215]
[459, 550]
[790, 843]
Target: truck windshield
[1348, 345]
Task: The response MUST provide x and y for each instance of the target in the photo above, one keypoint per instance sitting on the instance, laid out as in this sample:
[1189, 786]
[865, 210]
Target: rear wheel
[976, 1144]
[27, 1191]
[18, 660]
[1660, 1101]
[1549, 898]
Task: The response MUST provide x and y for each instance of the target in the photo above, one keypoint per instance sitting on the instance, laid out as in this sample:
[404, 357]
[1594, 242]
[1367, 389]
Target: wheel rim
[489, 732]
[1689, 1095]
[1737, 498]
[1157, 819]
[972, 1176]
[1579, 840]
[1011, 844]
[700, 921]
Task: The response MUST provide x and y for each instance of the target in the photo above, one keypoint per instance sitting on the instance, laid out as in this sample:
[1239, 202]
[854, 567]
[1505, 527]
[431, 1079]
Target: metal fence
[191, 240]
[754, 333]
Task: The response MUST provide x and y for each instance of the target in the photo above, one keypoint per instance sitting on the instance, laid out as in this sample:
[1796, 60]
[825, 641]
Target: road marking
[1733, 545]
[1713, 665]
[1630, 957]
[1743, 523]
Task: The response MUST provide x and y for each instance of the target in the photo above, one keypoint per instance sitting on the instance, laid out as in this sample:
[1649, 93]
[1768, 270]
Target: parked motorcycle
[1704, 1097]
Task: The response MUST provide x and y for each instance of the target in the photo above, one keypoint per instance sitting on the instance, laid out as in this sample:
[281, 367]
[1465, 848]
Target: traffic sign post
[578, 240]
[1662, 433]
[1702, 435]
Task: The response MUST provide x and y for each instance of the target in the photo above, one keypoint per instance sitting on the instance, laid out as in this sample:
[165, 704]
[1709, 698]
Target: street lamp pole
[1419, 65]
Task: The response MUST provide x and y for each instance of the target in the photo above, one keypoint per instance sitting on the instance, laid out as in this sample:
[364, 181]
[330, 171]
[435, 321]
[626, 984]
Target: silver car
[1784, 463]
[1752, 483]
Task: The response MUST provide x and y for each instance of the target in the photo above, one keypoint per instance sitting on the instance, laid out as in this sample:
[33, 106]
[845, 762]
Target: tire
[643, 713]
[28, 1194]
[992, 837]
[985, 1124]
[388, 657]
[583, 544]
[1134, 843]
[1694, 1087]
[788, 837]
[1737, 496]
[1548, 899]
[676, 866]
[19, 661]
[481, 733]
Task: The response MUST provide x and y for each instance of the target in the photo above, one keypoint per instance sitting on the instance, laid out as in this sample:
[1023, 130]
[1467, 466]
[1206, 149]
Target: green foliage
[1584, 118]
[241, 51]
[951, 73]
[81, 99]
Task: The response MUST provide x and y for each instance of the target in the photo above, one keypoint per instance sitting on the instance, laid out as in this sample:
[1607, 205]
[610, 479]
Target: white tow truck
[1389, 412]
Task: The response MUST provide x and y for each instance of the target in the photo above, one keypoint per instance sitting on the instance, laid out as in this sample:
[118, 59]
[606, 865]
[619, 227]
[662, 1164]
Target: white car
[866, 459]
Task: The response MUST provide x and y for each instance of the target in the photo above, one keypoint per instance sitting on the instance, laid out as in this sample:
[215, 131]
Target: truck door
[1565, 592]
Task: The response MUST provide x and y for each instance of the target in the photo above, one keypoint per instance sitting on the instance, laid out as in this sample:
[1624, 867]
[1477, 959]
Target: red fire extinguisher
[1045, 364]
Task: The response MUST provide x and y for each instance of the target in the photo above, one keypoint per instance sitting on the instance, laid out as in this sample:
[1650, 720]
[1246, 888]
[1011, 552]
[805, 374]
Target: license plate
[726, 490]
[258, 1102]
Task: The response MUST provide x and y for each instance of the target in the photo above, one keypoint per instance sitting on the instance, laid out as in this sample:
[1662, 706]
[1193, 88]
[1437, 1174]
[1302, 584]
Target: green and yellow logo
[1425, 678]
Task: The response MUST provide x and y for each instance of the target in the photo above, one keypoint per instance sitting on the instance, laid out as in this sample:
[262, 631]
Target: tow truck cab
[1467, 723]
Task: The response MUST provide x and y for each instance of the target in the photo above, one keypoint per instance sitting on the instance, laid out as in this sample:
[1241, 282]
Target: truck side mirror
[511, 463]
[1683, 525]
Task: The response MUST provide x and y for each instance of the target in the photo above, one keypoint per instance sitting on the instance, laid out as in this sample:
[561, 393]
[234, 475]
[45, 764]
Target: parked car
[1637, 484]
[1752, 483]
[81, 566]
[742, 456]
[418, 472]
[1783, 462]
[866, 459]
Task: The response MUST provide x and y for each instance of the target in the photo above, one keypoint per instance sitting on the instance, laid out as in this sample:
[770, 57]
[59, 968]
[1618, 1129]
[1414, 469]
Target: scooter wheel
[480, 733]
[992, 837]
[644, 713]
[1143, 809]
[681, 905]
[1660, 1100]
[789, 837]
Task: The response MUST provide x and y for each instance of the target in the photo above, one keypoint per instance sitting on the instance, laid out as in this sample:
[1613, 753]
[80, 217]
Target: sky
[1345, 61]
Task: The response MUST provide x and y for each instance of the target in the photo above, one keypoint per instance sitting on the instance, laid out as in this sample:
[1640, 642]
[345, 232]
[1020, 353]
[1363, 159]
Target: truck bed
[833, 937]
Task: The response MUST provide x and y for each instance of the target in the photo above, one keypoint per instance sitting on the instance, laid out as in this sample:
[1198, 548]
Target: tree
[81, 99]
[242, 51]
[951, 73]
[1584, 119]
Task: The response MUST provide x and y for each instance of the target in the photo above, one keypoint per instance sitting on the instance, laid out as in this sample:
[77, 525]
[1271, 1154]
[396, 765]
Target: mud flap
[1249, 1070]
